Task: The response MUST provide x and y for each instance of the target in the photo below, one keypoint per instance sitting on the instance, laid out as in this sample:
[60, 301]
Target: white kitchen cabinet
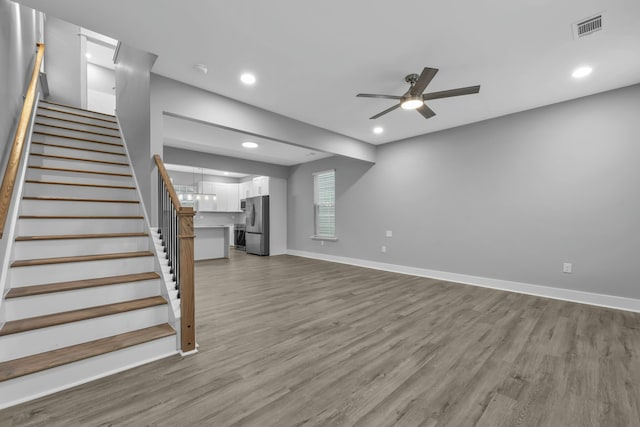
[258, 186]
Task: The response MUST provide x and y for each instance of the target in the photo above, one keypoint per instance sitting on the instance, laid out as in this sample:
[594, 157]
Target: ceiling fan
[414, 98]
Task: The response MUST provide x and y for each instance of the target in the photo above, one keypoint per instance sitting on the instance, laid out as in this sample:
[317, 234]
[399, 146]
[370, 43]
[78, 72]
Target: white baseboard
[600, 300]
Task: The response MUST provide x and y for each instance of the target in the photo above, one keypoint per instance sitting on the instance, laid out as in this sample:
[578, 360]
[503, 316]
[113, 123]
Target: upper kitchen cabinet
[258, 186]
[224, 197]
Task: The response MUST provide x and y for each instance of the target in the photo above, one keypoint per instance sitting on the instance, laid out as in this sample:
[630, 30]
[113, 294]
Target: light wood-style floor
[287, 341]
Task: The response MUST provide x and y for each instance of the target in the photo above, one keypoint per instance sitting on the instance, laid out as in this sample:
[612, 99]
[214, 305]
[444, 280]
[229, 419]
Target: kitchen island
[211, 242]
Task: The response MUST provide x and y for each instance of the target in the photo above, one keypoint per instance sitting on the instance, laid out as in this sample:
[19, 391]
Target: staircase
[85, 295]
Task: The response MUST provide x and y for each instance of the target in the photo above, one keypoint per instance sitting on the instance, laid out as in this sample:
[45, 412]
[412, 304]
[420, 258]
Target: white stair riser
[77, 164]
[48, 227]
[47, 207]
[58, 302]
[83, 119]
[78, 247]
[74, 111]
[78, 177]
[50, 138]
[74, 152]
[102, 128]
[75, 133]
[40, 274]
[37, 341]
[46, 382]
[41, 340]
[53, 190]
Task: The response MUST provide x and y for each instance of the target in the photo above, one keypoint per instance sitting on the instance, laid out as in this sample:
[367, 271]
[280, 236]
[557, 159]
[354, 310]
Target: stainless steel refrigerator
[257, 228]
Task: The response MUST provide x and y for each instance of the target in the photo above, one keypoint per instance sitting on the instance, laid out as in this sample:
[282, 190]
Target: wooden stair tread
[79, 171]
[78, 236]
[79, 258]
[78, 184]
[76, 108]
[67, 147]
[48, 320]
[25, 291]
[79, 159]
[81, 217]
[40, 107]
[45, 116]
[77, 199]
[62, 356]
[37, 132]
[76, 130]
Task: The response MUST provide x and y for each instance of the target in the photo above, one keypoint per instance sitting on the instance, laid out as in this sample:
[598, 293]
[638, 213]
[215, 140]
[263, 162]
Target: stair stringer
[7, 242]
[167, 284]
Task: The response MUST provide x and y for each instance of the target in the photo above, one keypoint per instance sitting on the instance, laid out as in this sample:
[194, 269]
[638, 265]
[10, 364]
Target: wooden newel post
[187, 292]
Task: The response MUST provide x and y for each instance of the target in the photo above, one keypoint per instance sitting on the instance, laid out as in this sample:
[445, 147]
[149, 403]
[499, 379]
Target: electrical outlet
[389, 233]
[567, 267]
[383, 249]
[321, 242]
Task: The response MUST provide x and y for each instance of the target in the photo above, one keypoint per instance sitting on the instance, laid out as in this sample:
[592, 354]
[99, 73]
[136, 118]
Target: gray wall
[510, 198]
[63, 61]
[18, 38]
[133, 69]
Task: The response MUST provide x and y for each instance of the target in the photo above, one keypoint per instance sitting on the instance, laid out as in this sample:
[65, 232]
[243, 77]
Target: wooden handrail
[167, 182]
[11, 172]
[180, 242]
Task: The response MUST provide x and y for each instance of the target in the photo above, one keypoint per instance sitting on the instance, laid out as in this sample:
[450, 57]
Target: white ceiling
[312, 58]
[199, 136]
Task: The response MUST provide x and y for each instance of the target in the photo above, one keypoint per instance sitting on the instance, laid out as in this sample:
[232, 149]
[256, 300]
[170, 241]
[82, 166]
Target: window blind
[324, 199]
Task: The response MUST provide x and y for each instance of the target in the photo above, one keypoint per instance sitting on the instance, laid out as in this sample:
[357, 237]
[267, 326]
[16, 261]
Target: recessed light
[87, 55]
[378, 130]
[249, 144]
[248, 78]
[201, 68]
[226, 173]
[581, 72]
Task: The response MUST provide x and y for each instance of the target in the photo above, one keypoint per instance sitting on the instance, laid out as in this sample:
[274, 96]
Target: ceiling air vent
[587, 26]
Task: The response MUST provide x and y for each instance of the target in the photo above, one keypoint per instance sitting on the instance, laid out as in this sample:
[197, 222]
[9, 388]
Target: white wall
[63, 61]
[133, 69]
[510, 198]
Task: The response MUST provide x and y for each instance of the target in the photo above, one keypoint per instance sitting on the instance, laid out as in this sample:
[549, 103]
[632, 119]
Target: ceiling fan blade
[388, 110]
[373, 95]
[451, 92]
[425, 78]
[426, 112]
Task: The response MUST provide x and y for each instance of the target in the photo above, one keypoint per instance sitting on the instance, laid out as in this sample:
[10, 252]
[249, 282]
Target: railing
[11, 172]
[175, 225]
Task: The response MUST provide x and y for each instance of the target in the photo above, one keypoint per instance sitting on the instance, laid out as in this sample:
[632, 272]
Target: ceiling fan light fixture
[412, 103]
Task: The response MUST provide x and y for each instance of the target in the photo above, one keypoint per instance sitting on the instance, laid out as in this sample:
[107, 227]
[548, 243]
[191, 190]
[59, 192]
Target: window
[324, 203]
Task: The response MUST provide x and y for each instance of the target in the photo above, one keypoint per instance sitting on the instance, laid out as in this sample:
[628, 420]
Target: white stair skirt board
[38, 341]
[77, 164]
[47, 227]
[76, 123]
[42, 274]
[81, 177]
[103, 153]
[77, 191]
[78, 247]
[600, 300]
[58, 302]
[48, 207]
[46, 382]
